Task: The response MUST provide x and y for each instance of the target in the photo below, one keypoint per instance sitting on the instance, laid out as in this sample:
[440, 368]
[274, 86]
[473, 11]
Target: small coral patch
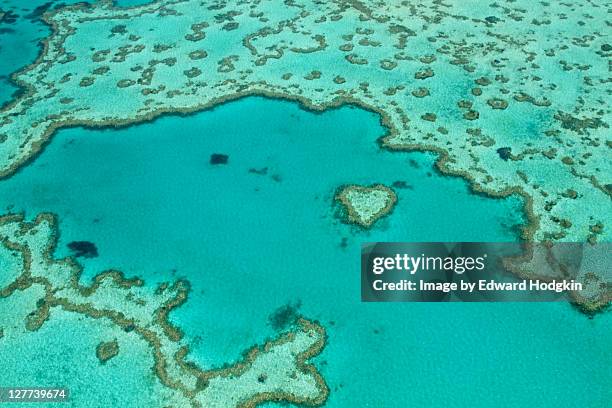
[366, 205]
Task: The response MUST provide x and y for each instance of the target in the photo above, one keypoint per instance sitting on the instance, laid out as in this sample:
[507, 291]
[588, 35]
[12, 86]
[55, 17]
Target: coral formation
[366, 205]
[133, 307]
[531, 86]
[107, 350]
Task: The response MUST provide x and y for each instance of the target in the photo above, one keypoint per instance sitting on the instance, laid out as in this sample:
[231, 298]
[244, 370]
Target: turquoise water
[18, 44]
[251, 243]
[51, 356]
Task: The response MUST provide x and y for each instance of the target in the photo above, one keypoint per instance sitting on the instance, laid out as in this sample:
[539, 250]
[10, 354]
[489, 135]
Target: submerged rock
[262, 172]
[85, 249]
[218, 158]
[504, 153]
[401, 184]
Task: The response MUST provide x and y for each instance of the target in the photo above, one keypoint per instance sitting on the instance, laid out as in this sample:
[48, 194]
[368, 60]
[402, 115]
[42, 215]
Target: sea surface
[261, 233]
[251, 243]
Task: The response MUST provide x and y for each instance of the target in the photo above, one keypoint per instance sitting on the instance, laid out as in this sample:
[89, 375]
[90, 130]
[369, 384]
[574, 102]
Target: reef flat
[506, 93]
[366, 205]
[275, 371]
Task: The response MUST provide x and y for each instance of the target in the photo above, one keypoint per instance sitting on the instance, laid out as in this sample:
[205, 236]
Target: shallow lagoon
[250, 243]
[160, 211]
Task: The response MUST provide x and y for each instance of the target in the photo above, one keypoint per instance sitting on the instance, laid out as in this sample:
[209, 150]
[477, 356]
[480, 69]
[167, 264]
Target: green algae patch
[366, 205]
[107, 350]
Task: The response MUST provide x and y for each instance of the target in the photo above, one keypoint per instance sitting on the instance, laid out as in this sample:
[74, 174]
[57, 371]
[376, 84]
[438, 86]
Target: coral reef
[366, 205]
[107, 350]
[134, 307]
[519, 77]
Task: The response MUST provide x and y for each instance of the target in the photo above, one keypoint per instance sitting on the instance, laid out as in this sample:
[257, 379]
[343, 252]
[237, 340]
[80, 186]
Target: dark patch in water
[85, 249]
[9, 18]
[262, 172]
[344, 242]
[504, 152]
[285, 315]
[401, 184]
[277, 178]
[218, 158]
[39, 11]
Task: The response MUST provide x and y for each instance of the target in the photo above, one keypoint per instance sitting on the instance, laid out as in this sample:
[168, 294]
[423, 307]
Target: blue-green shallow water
[20, 35]
[154, 206]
